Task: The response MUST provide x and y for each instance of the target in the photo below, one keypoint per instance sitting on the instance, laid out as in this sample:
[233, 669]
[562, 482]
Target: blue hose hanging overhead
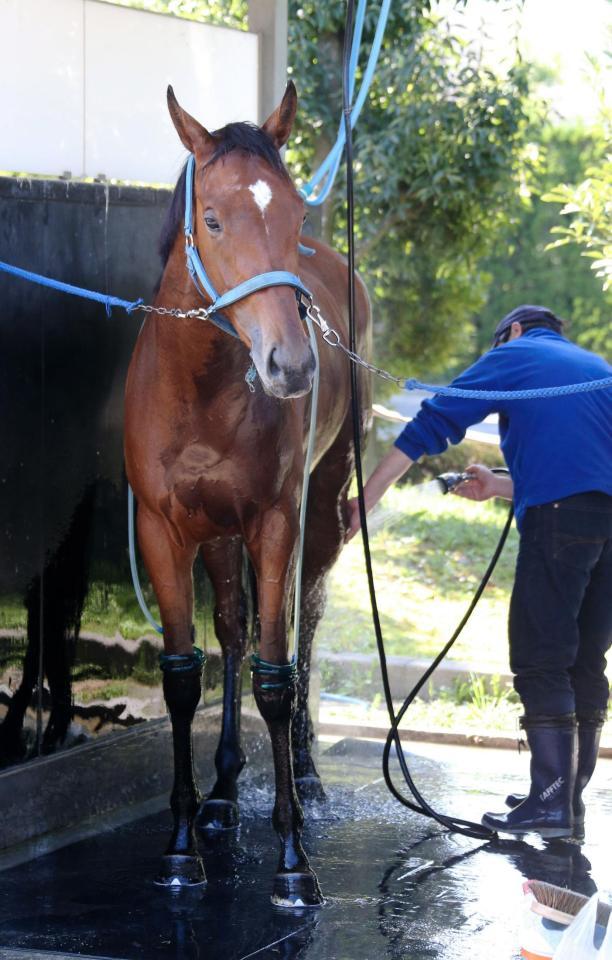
[326, 174]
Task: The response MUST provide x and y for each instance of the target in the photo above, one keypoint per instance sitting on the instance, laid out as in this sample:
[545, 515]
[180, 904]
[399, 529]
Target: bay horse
[217, 468]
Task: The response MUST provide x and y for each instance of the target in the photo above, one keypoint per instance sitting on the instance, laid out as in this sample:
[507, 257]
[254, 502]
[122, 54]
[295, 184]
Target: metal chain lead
[200, 314]
[332, 337]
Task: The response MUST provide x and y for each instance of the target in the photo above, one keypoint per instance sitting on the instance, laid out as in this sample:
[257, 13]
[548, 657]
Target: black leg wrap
[220, 810]
[274, 689]
[182, 865]
[295, 884]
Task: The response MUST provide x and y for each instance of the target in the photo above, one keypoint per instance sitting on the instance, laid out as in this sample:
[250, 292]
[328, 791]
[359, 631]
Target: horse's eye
[212, 224]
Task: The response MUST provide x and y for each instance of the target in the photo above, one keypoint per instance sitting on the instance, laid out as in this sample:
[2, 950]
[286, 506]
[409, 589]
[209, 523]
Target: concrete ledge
[404, 672]
[371, 732]
[118, 771]
[368, 732]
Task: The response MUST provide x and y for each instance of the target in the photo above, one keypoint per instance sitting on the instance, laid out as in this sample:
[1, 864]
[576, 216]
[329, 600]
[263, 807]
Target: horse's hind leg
[325, 530]
[169, 565]
[223, 562]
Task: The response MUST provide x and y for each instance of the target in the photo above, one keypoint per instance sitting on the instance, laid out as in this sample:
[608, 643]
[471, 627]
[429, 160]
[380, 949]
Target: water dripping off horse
[217, 468]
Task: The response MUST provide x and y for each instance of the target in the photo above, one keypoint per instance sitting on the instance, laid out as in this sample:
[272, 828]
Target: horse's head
[247, 220]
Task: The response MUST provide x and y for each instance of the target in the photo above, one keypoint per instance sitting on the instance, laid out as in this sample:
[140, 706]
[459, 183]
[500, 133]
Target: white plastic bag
[580, 939]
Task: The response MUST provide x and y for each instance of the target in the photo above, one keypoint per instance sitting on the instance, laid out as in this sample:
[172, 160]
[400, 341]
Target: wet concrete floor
[397, 886]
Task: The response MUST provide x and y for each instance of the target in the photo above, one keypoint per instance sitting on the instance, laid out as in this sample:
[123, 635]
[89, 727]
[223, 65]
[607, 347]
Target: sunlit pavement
[397, 885]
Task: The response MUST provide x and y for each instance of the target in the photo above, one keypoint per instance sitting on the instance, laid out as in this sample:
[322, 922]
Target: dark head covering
[527, 314]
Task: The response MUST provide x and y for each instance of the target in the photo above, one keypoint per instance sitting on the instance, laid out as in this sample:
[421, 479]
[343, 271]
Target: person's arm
[484, 484]
[392, 466]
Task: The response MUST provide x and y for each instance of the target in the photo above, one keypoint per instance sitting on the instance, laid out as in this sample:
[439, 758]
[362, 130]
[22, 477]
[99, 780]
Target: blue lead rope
[109, 302]
[535, 393]
[288, 279]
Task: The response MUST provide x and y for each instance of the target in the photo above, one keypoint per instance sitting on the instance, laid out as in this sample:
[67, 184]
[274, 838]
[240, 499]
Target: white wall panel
[131, 57]
[41, 78]
[84, 86]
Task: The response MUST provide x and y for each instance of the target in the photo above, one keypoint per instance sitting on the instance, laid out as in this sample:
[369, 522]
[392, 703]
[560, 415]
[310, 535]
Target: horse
[217, 467]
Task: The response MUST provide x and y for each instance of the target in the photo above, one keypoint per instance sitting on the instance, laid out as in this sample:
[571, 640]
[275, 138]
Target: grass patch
[429, 554]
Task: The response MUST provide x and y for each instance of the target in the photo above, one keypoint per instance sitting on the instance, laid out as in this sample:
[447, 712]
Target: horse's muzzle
[284, 377]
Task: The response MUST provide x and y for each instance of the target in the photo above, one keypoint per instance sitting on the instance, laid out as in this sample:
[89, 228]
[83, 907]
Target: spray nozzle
[448, 481]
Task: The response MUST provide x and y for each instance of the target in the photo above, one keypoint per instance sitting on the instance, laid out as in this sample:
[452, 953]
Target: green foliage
[429, 554]
[439, 159]
[228, 13]
[481, 692]
[108, 691]
[589, 203]
[526, 269]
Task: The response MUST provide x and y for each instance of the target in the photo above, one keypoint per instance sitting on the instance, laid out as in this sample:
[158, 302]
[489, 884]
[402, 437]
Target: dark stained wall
[63, 535]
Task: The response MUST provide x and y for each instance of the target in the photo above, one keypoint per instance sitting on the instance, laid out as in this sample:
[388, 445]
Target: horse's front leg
[274, 687]
[223, 562]
[169, 566]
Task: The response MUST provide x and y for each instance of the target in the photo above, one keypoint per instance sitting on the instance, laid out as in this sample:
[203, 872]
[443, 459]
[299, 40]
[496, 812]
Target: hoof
[310, 788]
[179, 870]
[294, 891]
[218, 815]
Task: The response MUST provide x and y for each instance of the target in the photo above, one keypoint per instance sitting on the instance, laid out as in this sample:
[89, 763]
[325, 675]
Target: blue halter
[274, 278]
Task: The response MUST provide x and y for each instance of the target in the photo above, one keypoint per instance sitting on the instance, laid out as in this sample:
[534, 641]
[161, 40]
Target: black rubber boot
[589, 735]
[547, 809]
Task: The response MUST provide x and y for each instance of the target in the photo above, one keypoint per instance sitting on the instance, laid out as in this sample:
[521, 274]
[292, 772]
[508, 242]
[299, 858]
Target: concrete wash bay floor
[397, 886]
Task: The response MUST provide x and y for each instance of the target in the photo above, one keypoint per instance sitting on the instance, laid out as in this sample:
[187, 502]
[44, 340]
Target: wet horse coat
[218, 469]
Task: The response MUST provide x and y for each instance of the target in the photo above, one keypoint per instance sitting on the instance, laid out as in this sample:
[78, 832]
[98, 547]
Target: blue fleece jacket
[554, 448]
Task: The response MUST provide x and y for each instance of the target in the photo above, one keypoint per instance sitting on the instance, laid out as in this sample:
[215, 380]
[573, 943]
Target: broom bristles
[560, 904]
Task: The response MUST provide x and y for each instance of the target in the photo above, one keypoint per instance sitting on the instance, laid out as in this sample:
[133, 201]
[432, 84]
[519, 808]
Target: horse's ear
[278, 125]
[194, 136]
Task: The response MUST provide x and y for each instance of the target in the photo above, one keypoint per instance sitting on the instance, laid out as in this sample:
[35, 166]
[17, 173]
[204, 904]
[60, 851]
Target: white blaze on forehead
[262, 194]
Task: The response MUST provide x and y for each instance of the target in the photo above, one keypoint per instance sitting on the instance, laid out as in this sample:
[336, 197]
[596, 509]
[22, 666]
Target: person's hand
[481, 485]
[393, 465]
[354, 520]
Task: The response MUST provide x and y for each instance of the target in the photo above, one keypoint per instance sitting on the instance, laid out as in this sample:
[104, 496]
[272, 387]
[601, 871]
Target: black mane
[247, 137]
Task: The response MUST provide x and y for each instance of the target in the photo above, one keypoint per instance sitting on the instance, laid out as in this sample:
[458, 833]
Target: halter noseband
[274, 278]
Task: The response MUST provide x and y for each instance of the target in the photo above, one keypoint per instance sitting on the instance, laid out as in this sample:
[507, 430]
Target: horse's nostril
[273, 367]
[311, 362]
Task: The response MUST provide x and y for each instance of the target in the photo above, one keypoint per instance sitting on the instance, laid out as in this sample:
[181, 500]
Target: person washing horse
[559, 454]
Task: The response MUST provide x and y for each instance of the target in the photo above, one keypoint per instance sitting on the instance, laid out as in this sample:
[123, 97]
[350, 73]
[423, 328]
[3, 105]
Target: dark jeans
[561, 606]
